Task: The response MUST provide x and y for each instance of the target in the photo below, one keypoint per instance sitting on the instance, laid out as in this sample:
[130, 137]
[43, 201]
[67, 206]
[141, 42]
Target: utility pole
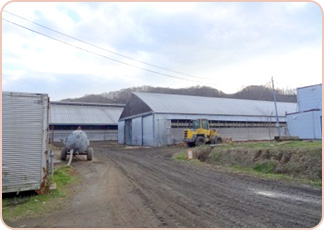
[275, 102]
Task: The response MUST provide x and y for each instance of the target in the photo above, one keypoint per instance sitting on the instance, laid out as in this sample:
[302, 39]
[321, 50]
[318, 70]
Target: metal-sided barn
[159, 119]
[24, 141]
[99, 121]
[307, 122]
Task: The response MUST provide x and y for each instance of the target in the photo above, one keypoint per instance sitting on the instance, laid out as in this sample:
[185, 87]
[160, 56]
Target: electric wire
[100, 55]
[121, 55]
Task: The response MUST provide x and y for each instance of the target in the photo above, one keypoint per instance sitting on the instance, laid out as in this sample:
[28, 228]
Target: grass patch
[28, 204]
[275, 144]
[298, 161]
[183, 155]
[316, 183]
[269, 175]
[63, 176]
[266, 167]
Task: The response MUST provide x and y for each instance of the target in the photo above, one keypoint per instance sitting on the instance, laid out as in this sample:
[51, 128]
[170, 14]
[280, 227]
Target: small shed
[99, 121]
[307, 122]
[159, 119]
[24, 141]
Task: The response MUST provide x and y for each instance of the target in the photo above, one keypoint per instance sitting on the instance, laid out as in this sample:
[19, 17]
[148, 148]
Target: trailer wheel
[90, 154]
[200, 141]
[64, 153]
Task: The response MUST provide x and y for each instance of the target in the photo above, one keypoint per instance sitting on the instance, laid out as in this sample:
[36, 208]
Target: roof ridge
[222, 98]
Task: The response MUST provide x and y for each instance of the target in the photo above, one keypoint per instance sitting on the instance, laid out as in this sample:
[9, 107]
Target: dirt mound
[202, 154]
[297, 162]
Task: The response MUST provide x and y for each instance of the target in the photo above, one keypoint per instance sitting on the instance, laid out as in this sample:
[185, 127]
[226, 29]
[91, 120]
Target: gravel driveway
[144, 187]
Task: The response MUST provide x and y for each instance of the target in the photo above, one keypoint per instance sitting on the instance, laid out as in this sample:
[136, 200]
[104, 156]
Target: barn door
[148, 130]
[128, 132]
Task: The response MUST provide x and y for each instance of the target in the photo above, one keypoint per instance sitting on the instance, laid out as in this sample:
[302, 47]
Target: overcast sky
[224, 45]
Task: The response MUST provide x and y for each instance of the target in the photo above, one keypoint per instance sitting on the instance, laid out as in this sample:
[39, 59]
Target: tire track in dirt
[143, 187]
[231, 198]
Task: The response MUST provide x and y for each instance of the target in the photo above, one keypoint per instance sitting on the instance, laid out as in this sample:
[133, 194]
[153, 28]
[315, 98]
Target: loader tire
[200, 141]
[216, 140]
[64, 153]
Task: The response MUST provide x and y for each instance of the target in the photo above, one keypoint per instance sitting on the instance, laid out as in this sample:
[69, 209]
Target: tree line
[252, 92]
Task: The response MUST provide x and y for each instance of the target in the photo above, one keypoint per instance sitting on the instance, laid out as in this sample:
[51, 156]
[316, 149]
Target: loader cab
[200, 134]
[200, 124]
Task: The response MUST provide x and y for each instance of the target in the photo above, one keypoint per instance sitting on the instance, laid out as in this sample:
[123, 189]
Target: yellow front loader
[201, 134]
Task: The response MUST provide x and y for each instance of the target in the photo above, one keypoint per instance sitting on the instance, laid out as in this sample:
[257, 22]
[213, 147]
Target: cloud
[229, 44]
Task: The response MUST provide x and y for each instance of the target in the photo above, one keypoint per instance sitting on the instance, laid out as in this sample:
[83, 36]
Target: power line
[121, 55]
[100, 55]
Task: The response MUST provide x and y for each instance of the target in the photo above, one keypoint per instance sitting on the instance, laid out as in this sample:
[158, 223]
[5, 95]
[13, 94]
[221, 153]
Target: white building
[99, 121]
[307, 122]
[159, 119]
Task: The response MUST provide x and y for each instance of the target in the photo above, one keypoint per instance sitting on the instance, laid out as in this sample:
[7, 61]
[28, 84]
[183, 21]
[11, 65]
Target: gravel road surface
[144, 187]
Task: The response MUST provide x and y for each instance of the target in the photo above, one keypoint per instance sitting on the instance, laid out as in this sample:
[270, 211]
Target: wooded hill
[250, 92]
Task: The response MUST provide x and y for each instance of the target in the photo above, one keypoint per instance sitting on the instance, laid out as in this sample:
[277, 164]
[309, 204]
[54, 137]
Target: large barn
[159, 119]
[307, 122]
[99, 121]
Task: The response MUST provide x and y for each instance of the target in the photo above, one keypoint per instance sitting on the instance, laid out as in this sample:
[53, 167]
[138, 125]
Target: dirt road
[144, 187]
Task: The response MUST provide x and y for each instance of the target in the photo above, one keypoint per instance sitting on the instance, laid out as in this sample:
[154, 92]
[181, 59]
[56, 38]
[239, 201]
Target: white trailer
[24, 141]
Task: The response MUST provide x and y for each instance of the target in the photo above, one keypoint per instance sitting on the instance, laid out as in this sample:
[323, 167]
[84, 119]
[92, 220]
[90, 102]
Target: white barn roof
[183, 104]
[64, 113]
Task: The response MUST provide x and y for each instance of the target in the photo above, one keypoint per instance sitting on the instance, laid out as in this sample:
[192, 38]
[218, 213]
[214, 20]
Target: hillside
[250, 92]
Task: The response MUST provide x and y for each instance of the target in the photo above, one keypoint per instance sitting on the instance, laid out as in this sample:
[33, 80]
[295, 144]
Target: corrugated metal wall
[158, 110]
[307, 125]
[148, 134]
[160, 131]
[137, 131]
[309, 98]
[62, 113]
[237, 134]
[165, 135]
[156, 130]
[99, 121]
[128, 132]
[93, 135]
[24, 141]
[225, 118]
[121, 132]
[184, 104]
